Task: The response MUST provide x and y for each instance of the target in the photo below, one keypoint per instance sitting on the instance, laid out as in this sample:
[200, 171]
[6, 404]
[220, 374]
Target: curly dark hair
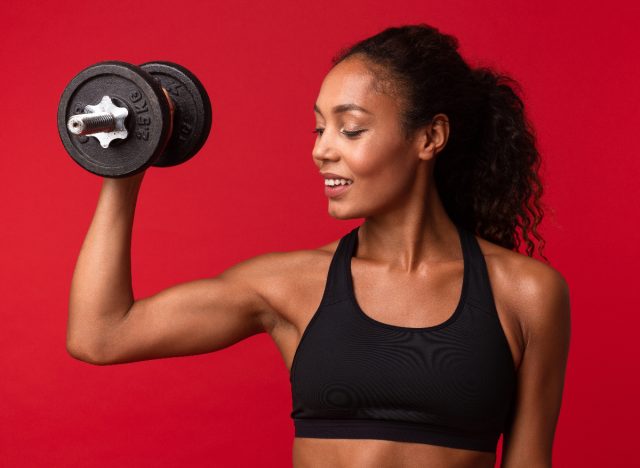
[487, 173]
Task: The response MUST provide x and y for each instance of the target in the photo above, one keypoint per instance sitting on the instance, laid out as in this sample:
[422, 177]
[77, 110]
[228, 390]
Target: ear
[433, 137]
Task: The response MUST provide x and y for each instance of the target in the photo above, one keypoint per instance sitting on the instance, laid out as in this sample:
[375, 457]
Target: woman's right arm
[106, 325]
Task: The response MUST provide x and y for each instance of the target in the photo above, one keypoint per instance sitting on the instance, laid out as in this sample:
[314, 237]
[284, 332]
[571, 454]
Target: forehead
[351, 82]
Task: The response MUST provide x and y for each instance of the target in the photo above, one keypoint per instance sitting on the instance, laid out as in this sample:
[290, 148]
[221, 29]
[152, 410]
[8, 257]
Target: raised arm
[106, 325]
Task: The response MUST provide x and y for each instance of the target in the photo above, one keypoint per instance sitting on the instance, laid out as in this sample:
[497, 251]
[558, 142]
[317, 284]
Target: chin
[343, 215]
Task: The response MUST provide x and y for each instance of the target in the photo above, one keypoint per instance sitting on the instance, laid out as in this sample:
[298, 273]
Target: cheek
[382, 160]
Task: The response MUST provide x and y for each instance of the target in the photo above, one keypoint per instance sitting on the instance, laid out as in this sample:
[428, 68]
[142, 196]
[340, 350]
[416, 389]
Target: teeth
[332, 182]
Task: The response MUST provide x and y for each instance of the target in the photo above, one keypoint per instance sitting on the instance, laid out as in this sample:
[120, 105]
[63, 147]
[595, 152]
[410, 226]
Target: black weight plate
[148, 122]
[191, 115]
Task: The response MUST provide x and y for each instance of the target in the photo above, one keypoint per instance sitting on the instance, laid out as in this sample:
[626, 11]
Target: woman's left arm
[546, 326]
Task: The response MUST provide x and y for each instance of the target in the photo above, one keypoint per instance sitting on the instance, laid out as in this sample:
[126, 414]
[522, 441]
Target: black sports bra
[451, 384]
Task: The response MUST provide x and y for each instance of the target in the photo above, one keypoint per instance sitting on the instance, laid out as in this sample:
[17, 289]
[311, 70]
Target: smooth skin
[407, 271]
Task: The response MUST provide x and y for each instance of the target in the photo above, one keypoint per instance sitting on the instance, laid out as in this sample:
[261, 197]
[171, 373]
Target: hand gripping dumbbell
[116, 119]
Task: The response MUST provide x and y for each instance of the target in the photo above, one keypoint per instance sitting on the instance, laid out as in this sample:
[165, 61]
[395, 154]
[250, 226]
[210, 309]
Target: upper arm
[545, 317]
[194, 317]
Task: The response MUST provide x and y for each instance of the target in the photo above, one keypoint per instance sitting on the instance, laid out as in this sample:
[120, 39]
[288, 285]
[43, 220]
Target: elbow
[87, 344]
[82, 353]
[525, 460]
[527, 465]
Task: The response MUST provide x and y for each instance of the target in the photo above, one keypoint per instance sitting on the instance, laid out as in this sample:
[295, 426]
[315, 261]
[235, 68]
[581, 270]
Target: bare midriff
[374, 453]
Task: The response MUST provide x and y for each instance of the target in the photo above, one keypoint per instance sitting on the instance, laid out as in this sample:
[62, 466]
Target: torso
[386, 296]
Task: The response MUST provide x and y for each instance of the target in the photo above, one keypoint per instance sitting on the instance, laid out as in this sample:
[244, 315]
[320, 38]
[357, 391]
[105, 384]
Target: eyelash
[353, 134]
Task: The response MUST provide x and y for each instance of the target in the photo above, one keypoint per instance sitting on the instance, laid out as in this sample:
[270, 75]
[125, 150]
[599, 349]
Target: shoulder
[285, 280]
[286, 266]
[281, 263]
[529, 291]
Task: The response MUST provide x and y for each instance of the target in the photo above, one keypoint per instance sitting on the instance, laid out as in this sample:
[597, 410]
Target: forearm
[101, 288]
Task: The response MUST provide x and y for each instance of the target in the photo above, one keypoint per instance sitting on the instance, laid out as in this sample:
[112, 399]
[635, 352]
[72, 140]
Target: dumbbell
[116, 119]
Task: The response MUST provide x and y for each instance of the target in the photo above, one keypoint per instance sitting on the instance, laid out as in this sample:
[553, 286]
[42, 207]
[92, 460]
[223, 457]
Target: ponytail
[507, 187]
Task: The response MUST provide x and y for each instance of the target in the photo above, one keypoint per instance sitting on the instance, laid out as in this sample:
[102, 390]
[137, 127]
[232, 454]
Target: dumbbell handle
[87, 124]
[104, 121]
[101, 121]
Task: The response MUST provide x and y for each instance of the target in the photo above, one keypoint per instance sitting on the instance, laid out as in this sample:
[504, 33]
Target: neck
[410, 236]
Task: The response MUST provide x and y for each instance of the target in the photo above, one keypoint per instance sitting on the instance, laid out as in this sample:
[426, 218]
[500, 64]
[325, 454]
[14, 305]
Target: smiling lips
[336, 190]
[331, 175]
[338, 187]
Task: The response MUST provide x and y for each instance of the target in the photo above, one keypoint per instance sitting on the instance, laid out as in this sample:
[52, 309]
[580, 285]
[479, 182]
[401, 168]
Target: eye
[352, 134]
[348, 134]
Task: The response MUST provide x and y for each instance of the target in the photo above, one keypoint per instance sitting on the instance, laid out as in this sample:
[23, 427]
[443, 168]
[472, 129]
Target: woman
[419, 336]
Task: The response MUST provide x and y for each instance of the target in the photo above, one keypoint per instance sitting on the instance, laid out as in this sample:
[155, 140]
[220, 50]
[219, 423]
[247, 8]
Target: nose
[323, 150]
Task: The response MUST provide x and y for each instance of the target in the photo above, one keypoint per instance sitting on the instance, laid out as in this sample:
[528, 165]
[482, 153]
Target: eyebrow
[343, 108]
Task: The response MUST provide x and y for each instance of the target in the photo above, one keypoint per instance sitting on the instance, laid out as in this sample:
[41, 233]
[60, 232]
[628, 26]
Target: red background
[254, 188]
